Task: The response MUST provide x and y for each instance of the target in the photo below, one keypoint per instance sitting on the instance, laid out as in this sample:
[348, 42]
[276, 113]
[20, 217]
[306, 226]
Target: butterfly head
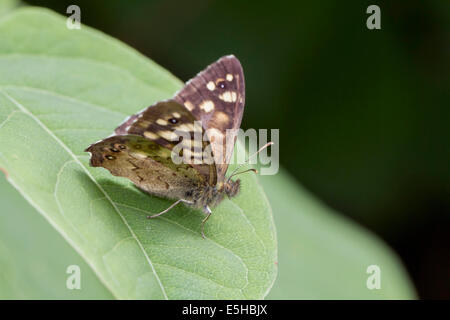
[213, 195]
[231, 188]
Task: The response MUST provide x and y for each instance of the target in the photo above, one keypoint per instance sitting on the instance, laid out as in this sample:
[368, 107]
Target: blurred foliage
[363, 114]
[323, 255]
[7, 5]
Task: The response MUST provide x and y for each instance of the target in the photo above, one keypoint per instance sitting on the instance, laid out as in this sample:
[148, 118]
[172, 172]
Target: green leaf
[324, 256]
[7, 5]
[61, 90]
[34, 257]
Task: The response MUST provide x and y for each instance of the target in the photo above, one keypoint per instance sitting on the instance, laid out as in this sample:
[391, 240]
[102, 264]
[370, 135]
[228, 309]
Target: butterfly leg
[168, 209]
[208, 212]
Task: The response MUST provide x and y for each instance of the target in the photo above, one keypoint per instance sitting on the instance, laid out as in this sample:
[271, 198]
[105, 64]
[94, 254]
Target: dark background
[363, 114]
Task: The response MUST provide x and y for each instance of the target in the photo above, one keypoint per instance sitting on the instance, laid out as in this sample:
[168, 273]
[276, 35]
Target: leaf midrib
[51, 93]
[206, 239]
[116, 204]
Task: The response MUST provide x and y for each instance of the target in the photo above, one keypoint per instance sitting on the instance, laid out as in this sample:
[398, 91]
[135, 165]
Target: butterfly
[211, 106]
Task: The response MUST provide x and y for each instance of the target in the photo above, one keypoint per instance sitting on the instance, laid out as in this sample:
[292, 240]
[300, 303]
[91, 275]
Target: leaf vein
[192, 231]
[8, 118]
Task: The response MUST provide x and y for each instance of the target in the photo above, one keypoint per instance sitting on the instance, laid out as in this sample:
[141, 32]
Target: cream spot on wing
[221, 117]
[211, 86]
[228, 96]
[139, 155]
[229, 77]
[161, 122]
[151, 135]
[168, 135]
[189, 105]
[207, 105]
[185, 127]
[143, 123]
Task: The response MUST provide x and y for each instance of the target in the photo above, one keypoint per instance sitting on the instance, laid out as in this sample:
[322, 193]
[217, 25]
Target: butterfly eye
[173, 120]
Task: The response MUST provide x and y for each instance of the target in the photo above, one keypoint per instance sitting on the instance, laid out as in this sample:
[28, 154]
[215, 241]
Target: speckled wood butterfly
[142, 146]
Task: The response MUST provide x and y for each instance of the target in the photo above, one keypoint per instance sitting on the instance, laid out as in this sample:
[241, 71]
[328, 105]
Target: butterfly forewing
[205, 111]
[216, 96]
[164, 123]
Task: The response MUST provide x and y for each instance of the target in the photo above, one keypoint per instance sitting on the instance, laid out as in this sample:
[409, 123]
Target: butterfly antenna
[235, 174]
[248, 159]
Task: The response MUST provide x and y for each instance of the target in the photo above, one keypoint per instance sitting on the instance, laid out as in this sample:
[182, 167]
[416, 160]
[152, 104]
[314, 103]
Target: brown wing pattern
[216, 96]
[147, 164]
[161, 122]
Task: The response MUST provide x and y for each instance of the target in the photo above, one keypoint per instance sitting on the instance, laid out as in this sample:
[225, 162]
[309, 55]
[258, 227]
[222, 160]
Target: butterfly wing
[162, 122]
[216, 96]
[147, 164]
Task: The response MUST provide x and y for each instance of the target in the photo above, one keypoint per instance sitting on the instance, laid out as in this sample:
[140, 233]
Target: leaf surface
[61, 90]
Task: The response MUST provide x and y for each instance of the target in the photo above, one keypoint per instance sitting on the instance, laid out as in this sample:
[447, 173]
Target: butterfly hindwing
[216, 96]
[147, 164]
